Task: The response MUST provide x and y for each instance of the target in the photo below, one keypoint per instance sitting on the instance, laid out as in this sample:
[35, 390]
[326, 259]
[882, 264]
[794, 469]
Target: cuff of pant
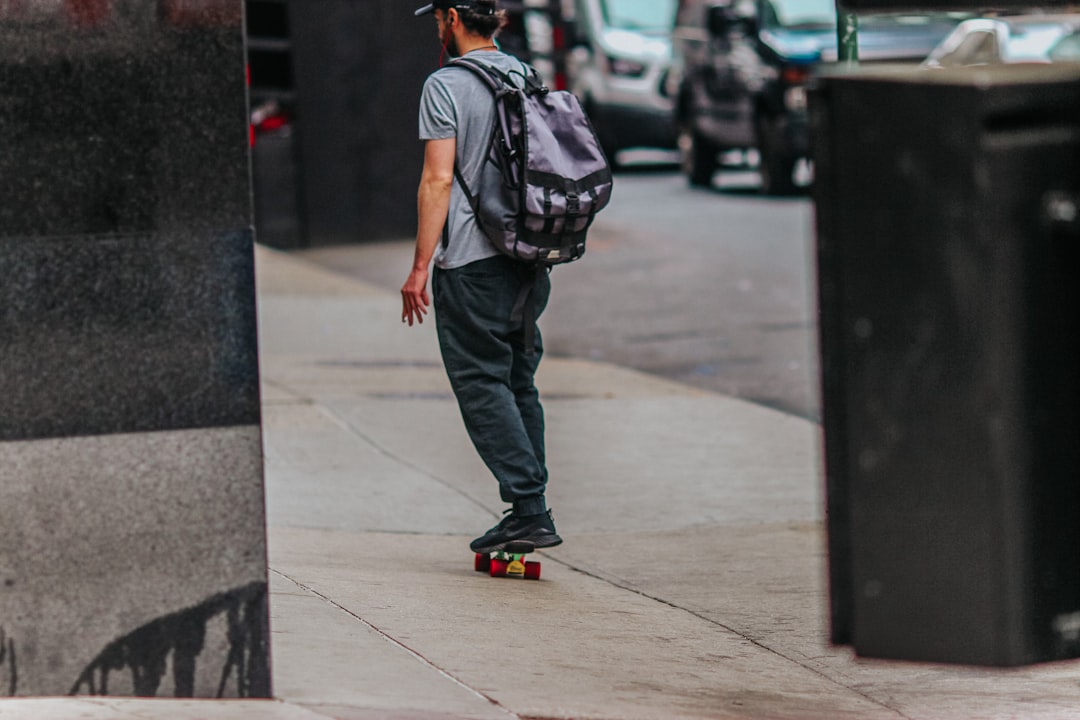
[530, 506]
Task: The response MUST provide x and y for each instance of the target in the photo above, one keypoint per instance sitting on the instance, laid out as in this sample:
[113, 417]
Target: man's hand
[414, 296]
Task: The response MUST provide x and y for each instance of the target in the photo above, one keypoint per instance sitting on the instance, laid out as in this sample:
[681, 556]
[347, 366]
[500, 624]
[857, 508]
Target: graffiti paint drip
[181, 635]
[8, 665]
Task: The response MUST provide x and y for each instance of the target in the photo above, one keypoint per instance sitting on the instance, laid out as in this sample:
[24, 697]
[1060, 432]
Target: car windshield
[1033, 42]
[800, 13]
[901, 20]
[640, 15]
[1067, 49]
[986, 42]
[816, 14]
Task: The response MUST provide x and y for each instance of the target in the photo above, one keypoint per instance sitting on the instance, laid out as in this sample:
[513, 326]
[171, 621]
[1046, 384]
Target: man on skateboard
[474, 286]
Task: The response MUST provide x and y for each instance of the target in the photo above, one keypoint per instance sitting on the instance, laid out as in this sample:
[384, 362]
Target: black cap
[458, 4]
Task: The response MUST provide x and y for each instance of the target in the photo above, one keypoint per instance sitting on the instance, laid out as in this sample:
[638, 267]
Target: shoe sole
[535, 544]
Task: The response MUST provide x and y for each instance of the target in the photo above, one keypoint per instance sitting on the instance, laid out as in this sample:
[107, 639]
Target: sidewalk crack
[301, 398]
[371, 442]
[398, 644]
[757, 643]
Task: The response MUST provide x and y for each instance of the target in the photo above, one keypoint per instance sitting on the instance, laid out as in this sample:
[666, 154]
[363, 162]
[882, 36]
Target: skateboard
[509, 562]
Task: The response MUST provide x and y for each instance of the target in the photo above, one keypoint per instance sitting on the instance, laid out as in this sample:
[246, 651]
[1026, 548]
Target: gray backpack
[545, 176]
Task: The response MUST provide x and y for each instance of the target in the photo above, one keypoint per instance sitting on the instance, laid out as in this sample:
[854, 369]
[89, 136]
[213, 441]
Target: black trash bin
[950, 339]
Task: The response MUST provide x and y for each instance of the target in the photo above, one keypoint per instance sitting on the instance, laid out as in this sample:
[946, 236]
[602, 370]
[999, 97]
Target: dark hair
[486, 20]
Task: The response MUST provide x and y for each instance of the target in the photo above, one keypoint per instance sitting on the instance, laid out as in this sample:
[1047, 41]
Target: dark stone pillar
[359, 68]
[132, 540]
[950, 329]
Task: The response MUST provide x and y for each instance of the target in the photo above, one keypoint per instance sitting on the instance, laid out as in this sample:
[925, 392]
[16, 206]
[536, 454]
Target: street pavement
[691, 583]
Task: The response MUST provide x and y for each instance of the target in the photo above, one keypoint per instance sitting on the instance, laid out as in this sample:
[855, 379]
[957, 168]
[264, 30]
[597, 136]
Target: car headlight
[625, 68]
[795, 98]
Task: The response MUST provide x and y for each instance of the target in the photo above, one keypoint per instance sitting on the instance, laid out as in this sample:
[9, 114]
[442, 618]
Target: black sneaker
[536, 529]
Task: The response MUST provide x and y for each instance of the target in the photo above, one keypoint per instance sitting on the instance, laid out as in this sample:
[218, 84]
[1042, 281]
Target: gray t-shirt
[456, 103]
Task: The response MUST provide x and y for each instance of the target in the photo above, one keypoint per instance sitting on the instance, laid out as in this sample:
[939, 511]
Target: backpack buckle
[573, 203]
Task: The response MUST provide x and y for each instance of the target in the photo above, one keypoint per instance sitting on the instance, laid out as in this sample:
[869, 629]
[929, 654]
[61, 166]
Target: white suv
[618, 69]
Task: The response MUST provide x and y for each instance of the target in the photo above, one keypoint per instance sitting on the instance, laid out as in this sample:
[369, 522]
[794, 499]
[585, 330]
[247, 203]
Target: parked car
[618, 69]
[1010, 39]
[740, 72]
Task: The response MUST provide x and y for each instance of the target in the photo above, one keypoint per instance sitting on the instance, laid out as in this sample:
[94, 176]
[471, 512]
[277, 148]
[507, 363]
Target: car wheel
[611, 152]
[698, 156]
[777, 164]
[607, 143]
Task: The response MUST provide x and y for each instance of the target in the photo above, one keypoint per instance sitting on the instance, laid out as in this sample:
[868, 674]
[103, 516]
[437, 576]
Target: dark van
[740, 70]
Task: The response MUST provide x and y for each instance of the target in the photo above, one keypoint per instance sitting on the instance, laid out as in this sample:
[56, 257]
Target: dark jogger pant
[492, 376]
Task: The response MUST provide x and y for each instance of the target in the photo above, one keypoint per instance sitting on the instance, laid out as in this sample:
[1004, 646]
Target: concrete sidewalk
[691, 583]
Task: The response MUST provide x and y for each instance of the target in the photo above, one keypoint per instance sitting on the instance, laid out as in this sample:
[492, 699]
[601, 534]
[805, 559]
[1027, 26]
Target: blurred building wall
[132, 540]
[335, 90]
[356, 71]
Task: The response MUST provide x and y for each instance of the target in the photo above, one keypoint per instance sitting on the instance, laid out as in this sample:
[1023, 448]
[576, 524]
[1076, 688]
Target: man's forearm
[433, 206]
[433, 198]
[433, 202]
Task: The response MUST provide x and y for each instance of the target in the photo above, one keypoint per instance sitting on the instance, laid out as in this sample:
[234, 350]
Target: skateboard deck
[509, 562]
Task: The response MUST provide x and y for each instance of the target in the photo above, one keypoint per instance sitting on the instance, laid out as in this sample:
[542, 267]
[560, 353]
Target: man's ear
[451, 17]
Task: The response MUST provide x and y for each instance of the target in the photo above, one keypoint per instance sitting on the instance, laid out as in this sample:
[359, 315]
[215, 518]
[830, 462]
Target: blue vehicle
[741, 67]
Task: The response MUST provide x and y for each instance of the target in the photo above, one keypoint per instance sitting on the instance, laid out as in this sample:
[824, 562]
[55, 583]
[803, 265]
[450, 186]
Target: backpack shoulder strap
[498, 79]
[500, 84]
[495, 83]
[494, 78]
